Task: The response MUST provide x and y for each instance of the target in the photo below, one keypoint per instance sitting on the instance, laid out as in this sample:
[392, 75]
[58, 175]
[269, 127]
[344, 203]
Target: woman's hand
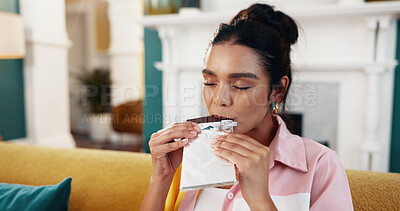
[251, 159]
[166, 153]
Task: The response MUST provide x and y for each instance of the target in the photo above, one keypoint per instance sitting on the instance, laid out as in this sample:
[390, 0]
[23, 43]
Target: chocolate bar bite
[207, 119]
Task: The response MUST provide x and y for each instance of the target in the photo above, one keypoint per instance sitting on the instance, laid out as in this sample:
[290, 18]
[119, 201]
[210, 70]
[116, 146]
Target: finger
[170, 135]
[161, 150]
[175, 125]
[245, 152]
[244, 142]
[231, 156]
[196, 126]
[178, 125]
[250, 139]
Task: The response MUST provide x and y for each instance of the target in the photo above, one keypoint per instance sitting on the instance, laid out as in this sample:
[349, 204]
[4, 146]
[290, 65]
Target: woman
[247, 73]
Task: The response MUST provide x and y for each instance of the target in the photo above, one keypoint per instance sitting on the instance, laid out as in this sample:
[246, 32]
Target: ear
[279, 91]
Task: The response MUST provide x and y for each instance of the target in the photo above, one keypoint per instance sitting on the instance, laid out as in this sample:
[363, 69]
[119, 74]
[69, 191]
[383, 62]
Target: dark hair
[269, 34]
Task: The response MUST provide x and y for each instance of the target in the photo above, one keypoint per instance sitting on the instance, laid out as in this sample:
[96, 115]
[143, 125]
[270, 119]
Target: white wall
[237, 5]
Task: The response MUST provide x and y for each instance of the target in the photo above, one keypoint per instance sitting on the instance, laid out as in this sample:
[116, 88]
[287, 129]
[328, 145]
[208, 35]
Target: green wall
[12, 106]
[153, 86]
[9, 6]
[395, 145]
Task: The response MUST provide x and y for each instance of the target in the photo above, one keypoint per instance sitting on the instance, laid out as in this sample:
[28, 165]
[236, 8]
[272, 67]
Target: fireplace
[317, 105]
[294, 122]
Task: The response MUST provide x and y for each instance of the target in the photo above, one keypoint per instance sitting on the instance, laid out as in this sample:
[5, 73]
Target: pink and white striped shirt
[303, 175]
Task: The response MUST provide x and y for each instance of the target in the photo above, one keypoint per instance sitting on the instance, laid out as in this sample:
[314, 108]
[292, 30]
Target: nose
[222, 96]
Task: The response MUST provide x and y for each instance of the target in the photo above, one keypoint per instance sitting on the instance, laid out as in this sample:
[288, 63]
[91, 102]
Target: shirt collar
[287, 148]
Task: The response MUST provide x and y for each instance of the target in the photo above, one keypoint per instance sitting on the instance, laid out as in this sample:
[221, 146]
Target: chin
[239, 130]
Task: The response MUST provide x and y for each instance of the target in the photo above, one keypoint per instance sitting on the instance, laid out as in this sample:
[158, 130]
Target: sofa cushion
[374, 190]
[103, 179]
[26, 197]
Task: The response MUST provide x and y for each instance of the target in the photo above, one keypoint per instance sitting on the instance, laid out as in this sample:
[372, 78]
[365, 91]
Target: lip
[220, 116]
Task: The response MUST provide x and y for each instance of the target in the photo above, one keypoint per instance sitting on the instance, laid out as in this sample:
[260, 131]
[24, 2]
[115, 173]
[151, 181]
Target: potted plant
[96, 96]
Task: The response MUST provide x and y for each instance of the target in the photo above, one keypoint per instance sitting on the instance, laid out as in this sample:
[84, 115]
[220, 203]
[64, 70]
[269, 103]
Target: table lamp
[12, 40]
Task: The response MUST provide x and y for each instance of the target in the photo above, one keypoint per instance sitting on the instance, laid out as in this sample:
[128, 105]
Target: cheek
[250, 116]
[256, 99]
[260, 96]
[251, 104]
[207, 95]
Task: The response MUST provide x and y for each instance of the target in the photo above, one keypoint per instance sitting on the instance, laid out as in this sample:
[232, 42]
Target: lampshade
[12, 41]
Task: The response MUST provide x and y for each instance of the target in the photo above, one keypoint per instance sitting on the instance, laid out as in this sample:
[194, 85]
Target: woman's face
[235, 86]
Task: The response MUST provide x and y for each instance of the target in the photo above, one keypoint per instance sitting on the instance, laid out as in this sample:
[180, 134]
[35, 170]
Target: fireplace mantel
[301, 13]
[352, 46]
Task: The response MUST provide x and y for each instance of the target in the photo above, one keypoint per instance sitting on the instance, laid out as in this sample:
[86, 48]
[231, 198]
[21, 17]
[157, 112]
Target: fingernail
[213, 142]
[184, 140]
[193, 132]
[217, 137]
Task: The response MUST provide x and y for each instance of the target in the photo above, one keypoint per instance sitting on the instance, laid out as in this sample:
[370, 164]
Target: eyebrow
[232, 75]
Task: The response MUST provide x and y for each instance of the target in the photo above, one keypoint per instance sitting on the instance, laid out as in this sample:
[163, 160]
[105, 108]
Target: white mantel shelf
[311, 12]
[308, 67]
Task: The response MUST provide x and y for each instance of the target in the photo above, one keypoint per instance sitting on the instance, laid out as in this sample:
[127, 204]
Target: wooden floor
[83, 141]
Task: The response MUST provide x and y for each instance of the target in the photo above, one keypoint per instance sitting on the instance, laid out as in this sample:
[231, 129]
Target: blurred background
[107, 74]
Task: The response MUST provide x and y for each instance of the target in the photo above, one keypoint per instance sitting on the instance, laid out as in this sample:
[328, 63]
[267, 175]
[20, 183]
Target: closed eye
[236, 87]
[241, 88]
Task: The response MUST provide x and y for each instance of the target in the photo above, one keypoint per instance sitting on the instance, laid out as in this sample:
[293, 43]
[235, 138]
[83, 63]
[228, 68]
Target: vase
[156, 7]
[99, 127]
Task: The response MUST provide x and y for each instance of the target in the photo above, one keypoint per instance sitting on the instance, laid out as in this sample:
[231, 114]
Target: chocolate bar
[207, 119]
[201, 168]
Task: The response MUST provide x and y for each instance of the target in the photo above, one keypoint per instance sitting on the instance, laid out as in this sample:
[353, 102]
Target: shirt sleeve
[330, 188]
[174, 196]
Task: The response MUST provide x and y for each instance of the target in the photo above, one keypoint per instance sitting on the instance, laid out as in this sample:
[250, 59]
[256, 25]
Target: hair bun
[265, 15]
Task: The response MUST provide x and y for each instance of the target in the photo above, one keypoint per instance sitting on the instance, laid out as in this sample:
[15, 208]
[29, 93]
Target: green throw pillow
[24, 197]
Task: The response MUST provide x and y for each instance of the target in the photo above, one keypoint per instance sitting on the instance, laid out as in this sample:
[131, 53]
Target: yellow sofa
[111, 180]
